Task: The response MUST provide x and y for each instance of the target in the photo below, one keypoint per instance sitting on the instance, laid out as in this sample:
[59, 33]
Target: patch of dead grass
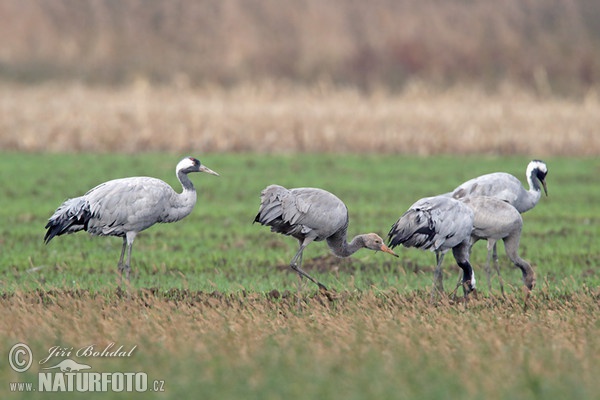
[278, 118]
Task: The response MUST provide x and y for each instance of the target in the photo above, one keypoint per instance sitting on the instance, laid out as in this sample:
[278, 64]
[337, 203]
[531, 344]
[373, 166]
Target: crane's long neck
[534, 183]
[341, 248]
[535, 189]
[181, 204]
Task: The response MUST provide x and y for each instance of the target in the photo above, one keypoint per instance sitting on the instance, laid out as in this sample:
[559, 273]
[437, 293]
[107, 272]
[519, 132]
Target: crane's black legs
[461, 255]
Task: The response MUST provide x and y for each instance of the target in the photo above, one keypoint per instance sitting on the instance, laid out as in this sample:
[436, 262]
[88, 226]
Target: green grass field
[202, 309]
[218, 248]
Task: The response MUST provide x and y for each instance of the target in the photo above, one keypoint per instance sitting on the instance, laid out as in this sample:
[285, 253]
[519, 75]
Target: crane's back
[302, 212]
[494, 218]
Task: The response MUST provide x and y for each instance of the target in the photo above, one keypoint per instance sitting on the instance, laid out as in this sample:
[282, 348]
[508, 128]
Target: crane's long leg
[120, 266]
[127, 242]
[438, 284]
[128, 262]
[294, 265]
[497, 268]
[488, 268]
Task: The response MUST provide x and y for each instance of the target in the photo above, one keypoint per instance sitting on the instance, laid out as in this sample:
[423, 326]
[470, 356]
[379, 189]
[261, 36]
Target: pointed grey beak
[204, 168]
[545, 188]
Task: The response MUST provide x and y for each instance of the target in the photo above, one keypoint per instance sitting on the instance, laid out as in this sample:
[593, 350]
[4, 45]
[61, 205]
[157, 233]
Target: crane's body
[507, 187]
[312, 214]
[124, 207]
[497, 220]
[438, 224]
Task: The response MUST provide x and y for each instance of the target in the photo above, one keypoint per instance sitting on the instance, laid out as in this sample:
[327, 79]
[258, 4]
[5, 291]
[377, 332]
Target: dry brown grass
[486, 341]
[282, 118]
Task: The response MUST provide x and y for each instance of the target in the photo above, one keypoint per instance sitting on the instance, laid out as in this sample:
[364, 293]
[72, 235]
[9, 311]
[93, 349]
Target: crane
[312, 215]
[438, 224]
[508, 188]
[497, 220]
[124, 207]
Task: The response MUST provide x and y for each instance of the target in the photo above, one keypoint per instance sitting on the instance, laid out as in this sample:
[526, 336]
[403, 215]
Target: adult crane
[508, 188]
[124, 207]
[312, 215]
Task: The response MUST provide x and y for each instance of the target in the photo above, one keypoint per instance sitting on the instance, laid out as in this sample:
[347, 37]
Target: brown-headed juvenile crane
[497, 220]
[124, 207]
[438, 224]
[311, 214]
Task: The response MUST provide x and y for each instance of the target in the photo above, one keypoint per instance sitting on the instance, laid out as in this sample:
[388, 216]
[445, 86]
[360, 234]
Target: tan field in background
[276, 117]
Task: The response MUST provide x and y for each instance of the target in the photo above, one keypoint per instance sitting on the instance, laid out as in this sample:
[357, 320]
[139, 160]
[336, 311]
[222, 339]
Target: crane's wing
[433, 223]
[301, 211]
[500, 185]
[121, 205]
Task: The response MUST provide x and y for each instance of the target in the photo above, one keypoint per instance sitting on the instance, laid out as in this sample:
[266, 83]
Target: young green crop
[217, 247]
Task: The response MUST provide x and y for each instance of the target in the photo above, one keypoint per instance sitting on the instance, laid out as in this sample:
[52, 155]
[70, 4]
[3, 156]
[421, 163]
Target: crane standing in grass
[311, 214]
[508, 188]
[124, 207]
[438, 224]
[497, 220]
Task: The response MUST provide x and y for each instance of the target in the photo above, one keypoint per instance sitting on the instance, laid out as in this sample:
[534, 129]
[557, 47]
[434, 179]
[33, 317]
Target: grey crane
[124, 207]
[497, 220]
[312, 214]
[438, 224]
[508, 188]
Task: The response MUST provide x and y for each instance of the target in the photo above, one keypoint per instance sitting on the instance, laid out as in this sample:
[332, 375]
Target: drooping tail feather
[72, 216]
[272, 209]
[415, 228]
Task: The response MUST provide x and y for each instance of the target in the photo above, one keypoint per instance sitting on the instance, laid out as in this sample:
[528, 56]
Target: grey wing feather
[500, 185]
[274, 203]
[301, 211]
[433, 223]
[72, 216]
[121, 205]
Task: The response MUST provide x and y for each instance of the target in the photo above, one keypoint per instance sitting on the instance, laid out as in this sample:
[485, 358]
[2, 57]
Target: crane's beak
[204, 168]
[388, 250]
[544, 185]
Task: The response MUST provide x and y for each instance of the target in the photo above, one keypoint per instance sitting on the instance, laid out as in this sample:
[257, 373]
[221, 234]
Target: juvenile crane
[124, 207]
[311, 214]
[438, 224]
[497, 220]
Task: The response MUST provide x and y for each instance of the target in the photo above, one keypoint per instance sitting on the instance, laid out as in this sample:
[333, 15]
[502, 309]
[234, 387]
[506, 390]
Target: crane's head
[538, 169]
[374, 242]
[190, 164]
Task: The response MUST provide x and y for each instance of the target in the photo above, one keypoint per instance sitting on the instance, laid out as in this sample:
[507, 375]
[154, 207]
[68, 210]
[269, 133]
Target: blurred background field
[277, 118]
[550, 46]
[428, 77]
